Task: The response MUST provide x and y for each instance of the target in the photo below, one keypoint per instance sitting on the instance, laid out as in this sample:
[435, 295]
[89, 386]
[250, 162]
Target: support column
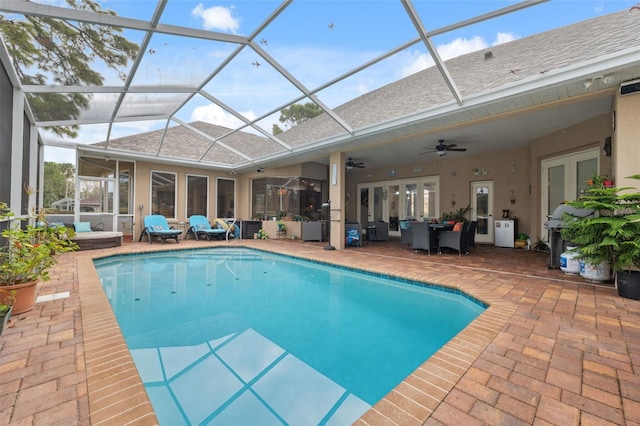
[17, 132]
[336, 196]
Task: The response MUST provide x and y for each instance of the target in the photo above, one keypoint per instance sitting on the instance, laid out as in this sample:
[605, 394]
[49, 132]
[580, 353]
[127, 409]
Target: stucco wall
[626, 140]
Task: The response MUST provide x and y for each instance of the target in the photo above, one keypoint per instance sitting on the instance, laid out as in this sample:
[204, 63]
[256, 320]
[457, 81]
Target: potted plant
[459, 215]
[26, 255]
[611, 235]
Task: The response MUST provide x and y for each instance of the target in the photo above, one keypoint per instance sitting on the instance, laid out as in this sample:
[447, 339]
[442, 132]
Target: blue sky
[316, 41]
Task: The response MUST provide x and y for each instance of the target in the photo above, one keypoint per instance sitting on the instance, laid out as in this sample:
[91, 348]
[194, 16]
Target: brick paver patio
[549, 350]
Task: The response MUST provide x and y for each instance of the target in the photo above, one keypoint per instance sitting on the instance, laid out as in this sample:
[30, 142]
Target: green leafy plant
[612, 234]
[459, 215]
[6, 300]
[281, 226]
[29, 252]
[262, 234]
[540, 245]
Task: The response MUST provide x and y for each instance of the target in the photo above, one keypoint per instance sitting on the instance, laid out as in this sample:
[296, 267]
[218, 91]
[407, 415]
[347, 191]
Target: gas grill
[554, 227]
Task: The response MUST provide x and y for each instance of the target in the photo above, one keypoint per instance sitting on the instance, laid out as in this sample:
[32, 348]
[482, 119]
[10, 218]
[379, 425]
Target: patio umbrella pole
[328, 206]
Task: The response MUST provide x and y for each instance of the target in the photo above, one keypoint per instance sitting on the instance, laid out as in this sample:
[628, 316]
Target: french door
[564, 178]
[482, 210]
[396, 200]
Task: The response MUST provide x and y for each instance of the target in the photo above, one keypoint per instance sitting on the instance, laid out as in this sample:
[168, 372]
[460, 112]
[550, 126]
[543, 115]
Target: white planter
[596, 273]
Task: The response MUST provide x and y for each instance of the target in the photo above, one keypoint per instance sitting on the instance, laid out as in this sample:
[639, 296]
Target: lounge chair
[156, 225]
[199, 226]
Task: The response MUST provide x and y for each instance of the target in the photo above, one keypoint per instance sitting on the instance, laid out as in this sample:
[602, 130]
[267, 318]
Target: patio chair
[421, 237]
[406, 237]
[471, 234]
[155, 225]
[231, 230]
[199, 226]
[455, 240]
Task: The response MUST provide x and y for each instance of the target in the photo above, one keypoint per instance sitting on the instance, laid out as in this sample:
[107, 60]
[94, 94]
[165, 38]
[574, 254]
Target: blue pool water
[237, 336]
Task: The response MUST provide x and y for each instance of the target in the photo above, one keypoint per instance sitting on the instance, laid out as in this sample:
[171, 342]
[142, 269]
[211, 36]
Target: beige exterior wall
[626, 140]
[587, 135]
[243, 187]
[499, 167]
[516, 170]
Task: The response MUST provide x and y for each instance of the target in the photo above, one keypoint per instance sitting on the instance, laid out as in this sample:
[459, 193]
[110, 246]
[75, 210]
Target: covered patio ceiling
[241, 77]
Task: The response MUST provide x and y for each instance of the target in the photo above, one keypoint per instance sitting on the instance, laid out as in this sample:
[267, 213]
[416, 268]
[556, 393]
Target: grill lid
[555, 220]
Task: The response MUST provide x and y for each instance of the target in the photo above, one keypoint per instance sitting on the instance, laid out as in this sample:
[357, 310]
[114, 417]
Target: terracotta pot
[25, 295]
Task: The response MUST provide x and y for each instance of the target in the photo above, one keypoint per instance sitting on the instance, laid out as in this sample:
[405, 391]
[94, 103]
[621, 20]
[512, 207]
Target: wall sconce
[513, 167]
[482, 171]
[384, 195]
[513, 197]
[453, 200]
[453, 172]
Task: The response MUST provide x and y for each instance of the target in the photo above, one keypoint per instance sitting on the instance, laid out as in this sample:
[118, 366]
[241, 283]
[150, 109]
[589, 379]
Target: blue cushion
[82, 226]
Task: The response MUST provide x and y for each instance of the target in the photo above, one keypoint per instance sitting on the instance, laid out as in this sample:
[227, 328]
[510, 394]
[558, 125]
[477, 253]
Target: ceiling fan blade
[451, 145]
[457, 149]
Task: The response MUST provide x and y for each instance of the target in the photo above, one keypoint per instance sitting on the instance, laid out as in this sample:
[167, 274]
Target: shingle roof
[511, 63]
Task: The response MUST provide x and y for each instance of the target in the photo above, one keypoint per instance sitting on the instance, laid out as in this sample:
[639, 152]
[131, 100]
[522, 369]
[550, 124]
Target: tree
[296, 114]
[54, 51]
[58, 182]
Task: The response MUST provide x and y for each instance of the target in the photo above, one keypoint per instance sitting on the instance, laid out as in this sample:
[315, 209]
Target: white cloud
[502, 38]
[460, 46]
[217, 18]
[418, 62]
[215, 115]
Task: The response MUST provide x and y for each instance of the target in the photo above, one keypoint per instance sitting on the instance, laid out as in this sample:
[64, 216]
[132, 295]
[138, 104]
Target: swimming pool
[237, 336]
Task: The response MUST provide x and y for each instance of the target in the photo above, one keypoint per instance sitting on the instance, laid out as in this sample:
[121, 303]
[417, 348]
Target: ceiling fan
[441, 149]
[352, 164]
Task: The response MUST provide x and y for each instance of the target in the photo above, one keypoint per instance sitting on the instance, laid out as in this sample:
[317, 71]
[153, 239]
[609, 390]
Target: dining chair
[455, 240]
[421, 237]
[471, 235]
[406, 236]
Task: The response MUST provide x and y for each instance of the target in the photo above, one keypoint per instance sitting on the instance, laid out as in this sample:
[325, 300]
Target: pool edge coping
[411, 402]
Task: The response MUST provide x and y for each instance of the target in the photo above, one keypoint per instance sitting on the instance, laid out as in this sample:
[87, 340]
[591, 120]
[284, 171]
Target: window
[96, 195]
[163, 194]
[292, 196]
[197, 195]
[226, 198]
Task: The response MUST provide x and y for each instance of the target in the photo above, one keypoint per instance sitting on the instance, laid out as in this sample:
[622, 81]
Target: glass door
[364, 205]
[565, 178]
[482, 210]
[394, 207]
